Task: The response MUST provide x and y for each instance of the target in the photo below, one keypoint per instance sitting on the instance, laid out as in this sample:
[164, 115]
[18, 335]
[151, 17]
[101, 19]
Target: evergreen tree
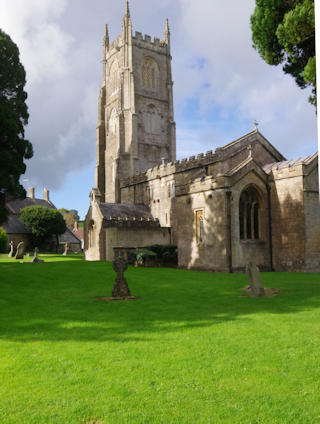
[283, 31]
[13, 117]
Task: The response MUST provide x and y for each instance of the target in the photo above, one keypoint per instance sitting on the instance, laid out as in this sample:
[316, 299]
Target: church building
[243, 202]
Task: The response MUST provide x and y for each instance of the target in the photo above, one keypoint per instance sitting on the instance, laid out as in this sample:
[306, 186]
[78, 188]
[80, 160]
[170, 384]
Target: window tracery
[149, 73]
[249, 214]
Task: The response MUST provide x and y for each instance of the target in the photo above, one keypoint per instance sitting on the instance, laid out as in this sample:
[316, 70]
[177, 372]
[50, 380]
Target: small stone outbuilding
[17, 231]
[110, 225]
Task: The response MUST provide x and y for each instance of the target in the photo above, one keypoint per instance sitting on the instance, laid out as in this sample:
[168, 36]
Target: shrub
[3, 241]
[166, 254]
[144, 256]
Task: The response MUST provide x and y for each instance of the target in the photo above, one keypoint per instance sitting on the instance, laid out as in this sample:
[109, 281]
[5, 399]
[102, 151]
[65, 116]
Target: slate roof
[13, 225]
[15, 206]
[69, 237]
[288, 163]
[123, 211]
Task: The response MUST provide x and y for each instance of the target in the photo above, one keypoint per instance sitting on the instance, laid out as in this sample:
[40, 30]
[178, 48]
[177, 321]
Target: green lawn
[194, 349]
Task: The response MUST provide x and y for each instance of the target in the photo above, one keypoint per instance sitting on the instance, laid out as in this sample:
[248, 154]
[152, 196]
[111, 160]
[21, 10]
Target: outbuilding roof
[13, 225]
[68, 237]
[15, 206]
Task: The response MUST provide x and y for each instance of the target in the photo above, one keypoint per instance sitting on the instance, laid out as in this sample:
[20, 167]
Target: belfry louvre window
[249, 214]
[199, 226]
[149, 73]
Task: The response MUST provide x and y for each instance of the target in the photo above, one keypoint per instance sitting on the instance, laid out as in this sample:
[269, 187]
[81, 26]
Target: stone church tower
[136, 128]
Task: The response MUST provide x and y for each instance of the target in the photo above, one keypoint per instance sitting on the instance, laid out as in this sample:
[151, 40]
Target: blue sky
[221, 83]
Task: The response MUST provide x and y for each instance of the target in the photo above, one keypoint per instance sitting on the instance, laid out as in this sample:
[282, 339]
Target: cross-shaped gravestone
[35, 256]
[120, 287]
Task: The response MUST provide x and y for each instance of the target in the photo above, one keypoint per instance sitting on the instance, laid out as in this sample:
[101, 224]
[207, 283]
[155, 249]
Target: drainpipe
[270, 227]
[229, 241]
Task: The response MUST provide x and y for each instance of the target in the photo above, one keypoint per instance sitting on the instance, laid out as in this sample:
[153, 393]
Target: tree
[13, 117]
[70, 216]
[43, 223]
[283, 31]
[3, 240]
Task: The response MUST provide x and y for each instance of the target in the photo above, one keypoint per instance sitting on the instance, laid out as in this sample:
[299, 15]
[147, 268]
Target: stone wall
[288, 219]
[94, 242]
[312, 221]
[210, 252]
[202, 183]
[133, 238]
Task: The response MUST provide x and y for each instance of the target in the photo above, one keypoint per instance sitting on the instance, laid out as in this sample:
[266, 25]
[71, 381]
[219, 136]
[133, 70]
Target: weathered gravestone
[120, 287]
[11, 249]
[35, 257]
[20, 251]
[254, 278]
[66, 249]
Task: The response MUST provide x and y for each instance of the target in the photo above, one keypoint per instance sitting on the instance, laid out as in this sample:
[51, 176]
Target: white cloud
[236, 79]
[43, 44]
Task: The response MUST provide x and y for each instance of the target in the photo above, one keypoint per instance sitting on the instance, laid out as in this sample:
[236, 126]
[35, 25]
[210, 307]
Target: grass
[193, 349]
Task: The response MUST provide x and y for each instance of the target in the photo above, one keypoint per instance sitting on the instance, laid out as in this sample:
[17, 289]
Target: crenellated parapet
[130, 222]
[115, 45]
[201, 160]
[145, 41]
[290, 168]
[243, 146]
[139, 40]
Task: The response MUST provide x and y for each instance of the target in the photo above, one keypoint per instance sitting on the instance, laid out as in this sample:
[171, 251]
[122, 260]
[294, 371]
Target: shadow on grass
[55, 301]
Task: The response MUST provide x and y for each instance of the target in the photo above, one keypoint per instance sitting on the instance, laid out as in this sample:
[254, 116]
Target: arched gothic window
[149, 73]
[249, 214]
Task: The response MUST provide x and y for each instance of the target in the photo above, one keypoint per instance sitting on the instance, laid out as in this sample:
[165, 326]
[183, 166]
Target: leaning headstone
[20, 251]
[254, 278]
[66, 249]
[120, 288]
[35, 257]
[11, 249]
